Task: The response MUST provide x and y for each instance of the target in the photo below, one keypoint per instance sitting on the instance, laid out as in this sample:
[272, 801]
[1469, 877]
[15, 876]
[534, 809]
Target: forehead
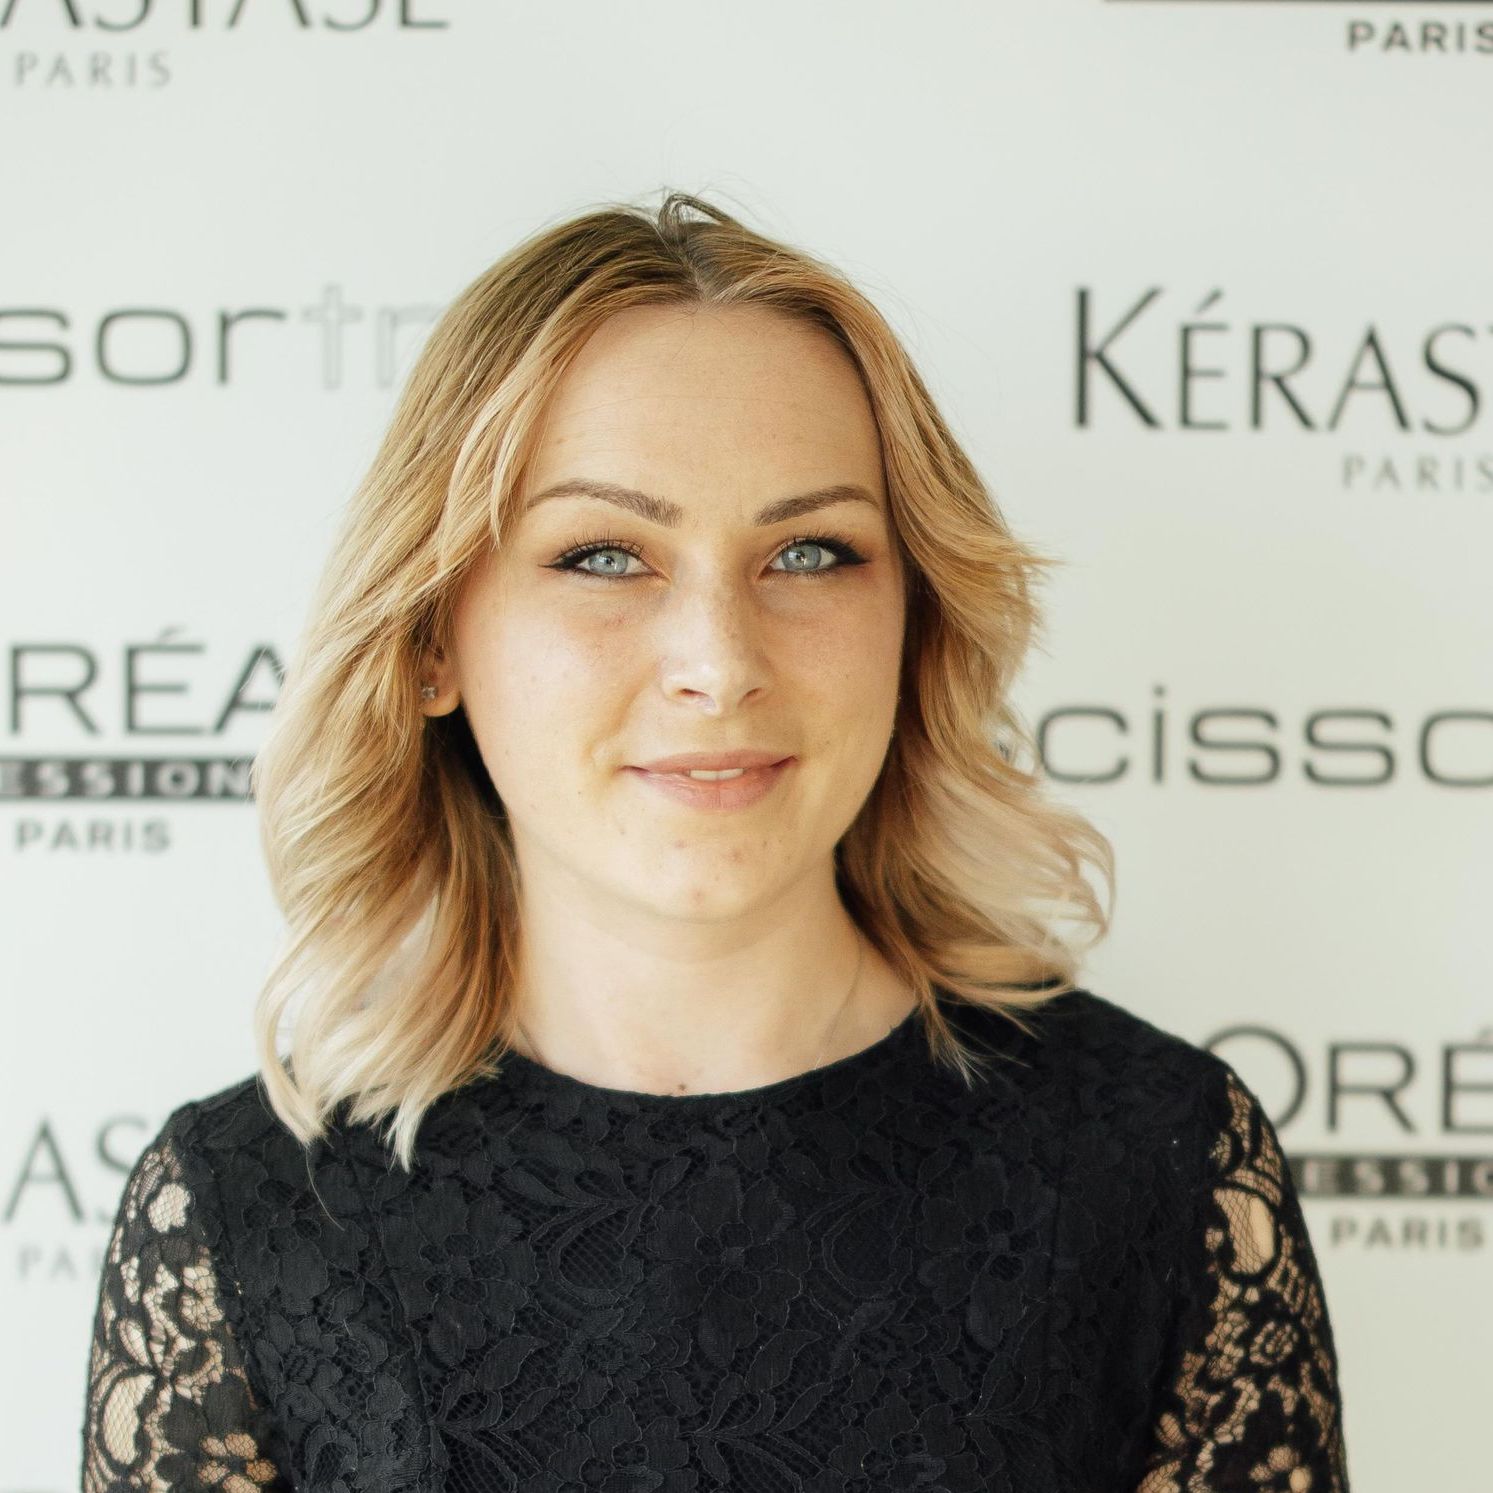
[678, 395]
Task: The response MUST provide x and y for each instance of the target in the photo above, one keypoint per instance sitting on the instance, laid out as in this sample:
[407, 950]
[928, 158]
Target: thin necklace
[824, 1047]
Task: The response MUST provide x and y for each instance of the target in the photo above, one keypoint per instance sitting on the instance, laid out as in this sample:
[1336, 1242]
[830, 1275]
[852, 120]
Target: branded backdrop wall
[1205, 289]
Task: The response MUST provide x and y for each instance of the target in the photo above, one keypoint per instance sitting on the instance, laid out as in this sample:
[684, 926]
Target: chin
[706, 887]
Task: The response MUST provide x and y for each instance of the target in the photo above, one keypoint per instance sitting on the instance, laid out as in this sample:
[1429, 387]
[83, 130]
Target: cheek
[546, 654]
[849, 655]
[538, 679]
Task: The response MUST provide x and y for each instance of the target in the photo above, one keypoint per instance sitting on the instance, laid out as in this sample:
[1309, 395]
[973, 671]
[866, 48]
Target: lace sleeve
[1251, 1400]
[169, 1404]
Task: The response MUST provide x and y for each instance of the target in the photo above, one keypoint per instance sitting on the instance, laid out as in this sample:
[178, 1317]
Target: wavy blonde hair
[389, 850]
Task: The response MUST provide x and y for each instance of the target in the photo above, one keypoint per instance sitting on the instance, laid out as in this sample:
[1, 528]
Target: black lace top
[1089, 1274]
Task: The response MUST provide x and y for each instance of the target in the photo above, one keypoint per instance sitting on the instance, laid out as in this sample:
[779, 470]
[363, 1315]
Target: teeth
[706, 776]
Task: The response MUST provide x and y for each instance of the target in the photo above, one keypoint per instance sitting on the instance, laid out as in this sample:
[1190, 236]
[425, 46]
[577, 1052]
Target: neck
[715, 1044]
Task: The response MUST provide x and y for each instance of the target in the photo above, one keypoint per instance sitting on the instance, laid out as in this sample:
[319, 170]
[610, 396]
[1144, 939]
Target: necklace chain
[824, 1047]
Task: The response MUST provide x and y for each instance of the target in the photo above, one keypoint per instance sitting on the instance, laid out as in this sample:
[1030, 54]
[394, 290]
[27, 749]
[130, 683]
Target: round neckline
[538, 1076]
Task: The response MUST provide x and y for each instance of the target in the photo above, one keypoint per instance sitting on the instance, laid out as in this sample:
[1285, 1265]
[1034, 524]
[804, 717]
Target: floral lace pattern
[1255, 1400]
[169, 1404]
[1088, 1274]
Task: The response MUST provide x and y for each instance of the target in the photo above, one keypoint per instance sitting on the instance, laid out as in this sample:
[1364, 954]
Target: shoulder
[1100, 1065]
[239, 1113]
[233, 1141]
[285, 1215]
[1085, 1032]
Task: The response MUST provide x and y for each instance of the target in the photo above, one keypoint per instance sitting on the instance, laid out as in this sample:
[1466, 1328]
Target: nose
[713, 648]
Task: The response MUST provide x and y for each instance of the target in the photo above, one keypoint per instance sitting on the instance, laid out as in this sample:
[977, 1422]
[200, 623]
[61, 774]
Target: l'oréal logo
[172, 690]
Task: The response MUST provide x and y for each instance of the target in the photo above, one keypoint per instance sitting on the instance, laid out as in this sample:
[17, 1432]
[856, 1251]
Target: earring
[427, 691]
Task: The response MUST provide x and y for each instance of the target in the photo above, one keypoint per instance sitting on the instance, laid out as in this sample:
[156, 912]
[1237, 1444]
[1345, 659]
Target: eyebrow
[671, 515]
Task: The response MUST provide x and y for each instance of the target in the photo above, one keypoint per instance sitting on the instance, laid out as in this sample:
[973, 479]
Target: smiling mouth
[729, 761]
[709, 774]
[716, 788]
[706, 774]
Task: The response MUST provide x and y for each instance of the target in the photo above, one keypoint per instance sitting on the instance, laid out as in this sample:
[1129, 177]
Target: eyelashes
[846, 555]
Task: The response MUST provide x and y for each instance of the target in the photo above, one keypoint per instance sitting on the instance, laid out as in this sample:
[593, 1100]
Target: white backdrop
[1268, 670]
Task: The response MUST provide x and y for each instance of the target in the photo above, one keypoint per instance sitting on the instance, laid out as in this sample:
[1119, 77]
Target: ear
[436, 673]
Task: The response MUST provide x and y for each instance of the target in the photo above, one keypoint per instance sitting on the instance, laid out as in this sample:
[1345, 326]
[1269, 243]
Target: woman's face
[693, 628]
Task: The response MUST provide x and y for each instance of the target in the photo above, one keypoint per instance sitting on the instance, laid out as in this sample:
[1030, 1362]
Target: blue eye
[844, 552]
[571, 559]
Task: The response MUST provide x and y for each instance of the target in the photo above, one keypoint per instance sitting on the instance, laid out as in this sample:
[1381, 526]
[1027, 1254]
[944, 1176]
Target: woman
[741, 1130]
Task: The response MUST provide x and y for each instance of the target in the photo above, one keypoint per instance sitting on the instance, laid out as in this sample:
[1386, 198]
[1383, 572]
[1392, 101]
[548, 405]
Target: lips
[750, 786]
[714, 761]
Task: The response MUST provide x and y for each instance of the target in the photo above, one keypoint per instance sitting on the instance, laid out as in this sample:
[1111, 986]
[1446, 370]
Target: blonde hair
[389, 850]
